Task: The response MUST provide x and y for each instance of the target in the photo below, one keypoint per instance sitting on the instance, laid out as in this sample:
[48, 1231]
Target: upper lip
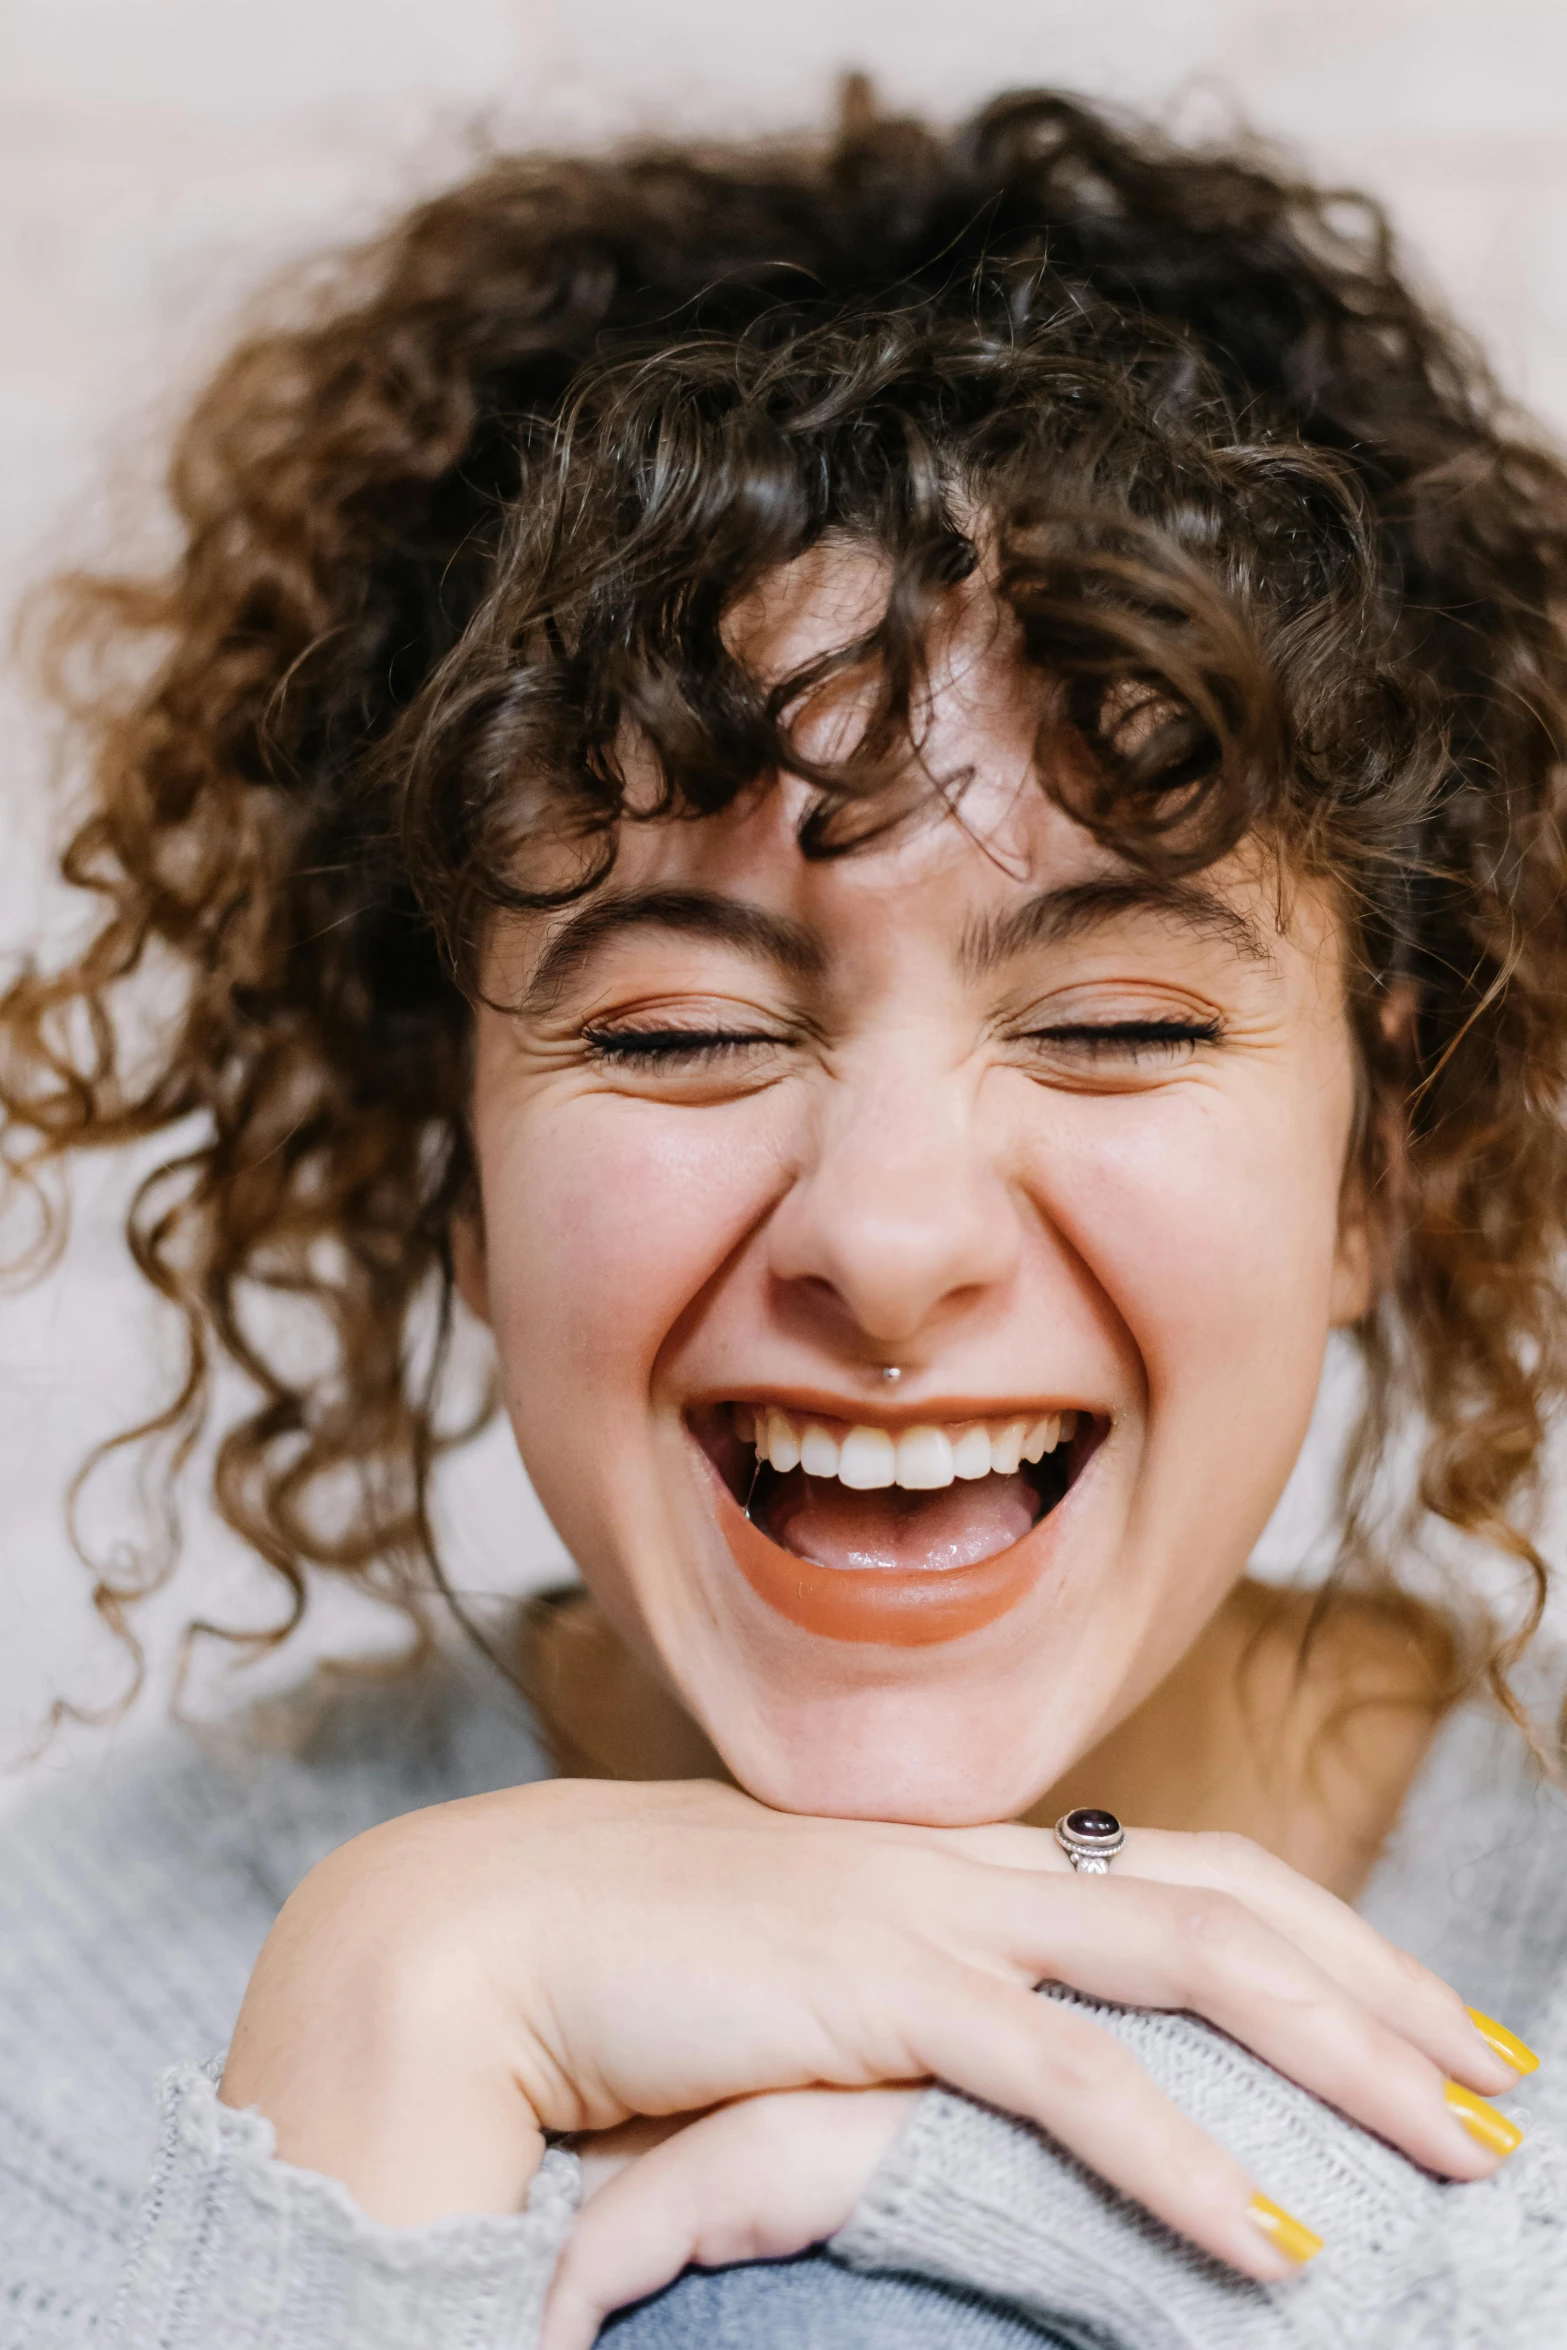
[868, 1412]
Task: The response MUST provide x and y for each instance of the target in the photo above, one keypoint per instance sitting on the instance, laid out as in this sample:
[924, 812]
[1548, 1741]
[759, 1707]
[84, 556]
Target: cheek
[605, 1219]
[1213, 1237]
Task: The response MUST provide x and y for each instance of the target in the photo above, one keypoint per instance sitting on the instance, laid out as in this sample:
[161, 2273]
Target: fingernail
[1290, 2235]
[1485, 2125]
[1507, 2044]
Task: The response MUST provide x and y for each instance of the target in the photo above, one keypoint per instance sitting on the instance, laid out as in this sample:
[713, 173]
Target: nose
[902, 1222]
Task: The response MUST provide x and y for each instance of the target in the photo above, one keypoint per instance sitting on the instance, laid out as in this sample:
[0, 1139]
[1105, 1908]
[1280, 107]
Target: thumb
[756, 2180]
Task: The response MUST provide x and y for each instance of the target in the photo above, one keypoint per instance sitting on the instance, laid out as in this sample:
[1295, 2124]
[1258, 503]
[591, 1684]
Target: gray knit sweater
[134, 1895]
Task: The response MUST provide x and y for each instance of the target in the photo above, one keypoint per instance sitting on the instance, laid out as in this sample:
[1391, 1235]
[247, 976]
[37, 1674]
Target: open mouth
[904, 1533]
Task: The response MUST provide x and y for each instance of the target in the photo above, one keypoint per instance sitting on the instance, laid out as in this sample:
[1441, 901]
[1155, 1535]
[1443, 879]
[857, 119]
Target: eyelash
[665, 1046]
[670, 1047]
[1130, 1036]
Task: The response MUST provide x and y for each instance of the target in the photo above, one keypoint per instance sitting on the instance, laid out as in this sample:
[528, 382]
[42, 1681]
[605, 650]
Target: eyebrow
[685, 913]
[1056, 915]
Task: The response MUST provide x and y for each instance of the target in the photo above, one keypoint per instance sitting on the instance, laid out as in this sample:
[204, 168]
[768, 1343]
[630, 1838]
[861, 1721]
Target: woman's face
[976, 1105]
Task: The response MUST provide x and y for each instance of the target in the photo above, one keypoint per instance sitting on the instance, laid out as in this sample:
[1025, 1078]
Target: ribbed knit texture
[234, 2248]
[135, 1894]
[1409, 2263]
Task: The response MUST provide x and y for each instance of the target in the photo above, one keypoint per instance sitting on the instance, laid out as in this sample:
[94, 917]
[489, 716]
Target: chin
[929, 1654]
[907, 1790]
[910, 1652]
[957, 1735]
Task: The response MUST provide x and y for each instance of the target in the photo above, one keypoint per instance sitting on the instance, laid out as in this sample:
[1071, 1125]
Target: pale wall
[159, 157]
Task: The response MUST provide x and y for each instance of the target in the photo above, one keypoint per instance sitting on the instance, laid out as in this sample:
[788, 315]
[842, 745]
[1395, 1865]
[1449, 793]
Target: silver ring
[1090, 1838]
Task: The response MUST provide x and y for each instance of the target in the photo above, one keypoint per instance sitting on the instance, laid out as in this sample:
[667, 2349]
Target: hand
[570, 1955]
[756, 2180]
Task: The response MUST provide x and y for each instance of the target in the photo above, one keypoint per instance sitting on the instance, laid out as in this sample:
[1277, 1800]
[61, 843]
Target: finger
[755, 2181]
[1191, 1947]
[1028, 2056]
[1406, 1996]
[602, 2153]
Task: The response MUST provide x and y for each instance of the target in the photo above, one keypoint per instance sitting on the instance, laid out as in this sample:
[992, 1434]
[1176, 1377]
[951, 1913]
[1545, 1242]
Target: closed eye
[670, 1048]
[1130, 1039]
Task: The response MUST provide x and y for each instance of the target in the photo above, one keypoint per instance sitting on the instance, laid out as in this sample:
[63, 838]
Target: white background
[159, 159]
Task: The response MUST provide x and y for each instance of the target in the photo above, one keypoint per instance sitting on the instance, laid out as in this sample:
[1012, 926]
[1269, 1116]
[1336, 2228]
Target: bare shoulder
[1301, 1726]
[1348, 1648]
[1339, 1701]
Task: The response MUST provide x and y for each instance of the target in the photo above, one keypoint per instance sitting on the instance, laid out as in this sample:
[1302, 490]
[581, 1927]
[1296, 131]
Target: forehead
[975, 707]
[970, 766]
[982, 845]
[972, 894]
[967, 895]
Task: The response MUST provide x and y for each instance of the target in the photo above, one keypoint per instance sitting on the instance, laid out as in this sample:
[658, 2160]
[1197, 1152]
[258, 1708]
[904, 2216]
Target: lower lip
[871, 1603]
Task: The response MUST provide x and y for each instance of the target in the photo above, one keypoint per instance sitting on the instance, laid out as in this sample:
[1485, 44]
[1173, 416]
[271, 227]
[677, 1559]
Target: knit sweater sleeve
[1410, 2262]
[136, 1887]
[233, 2246]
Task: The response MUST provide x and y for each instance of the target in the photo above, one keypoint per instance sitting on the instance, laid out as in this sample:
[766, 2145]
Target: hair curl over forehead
[1196, 595]
[1276, 562]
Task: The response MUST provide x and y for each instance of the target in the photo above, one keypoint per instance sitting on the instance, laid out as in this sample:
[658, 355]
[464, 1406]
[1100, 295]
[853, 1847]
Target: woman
[899, 805]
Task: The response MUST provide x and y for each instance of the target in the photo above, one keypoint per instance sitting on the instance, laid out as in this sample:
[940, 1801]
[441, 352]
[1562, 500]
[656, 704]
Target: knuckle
[1081, 2061]
[1414, 1977]
[1230, 1859]
[1075, 2075]
[1213, 1924]
[1417, 1991]
[920, 1884]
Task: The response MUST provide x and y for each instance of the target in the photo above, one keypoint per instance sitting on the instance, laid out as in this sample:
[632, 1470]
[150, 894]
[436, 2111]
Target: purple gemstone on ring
[1099, 1826]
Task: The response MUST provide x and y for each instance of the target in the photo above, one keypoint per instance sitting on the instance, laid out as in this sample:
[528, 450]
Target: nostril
[896, 1224]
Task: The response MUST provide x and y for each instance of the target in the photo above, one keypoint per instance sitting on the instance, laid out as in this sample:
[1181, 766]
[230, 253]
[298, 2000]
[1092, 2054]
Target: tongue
[904, 1533]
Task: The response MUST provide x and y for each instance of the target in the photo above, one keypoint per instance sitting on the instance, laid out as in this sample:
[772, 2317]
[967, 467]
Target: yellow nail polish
[1291, 2236]
[1485, 2125]
[1507, 2044]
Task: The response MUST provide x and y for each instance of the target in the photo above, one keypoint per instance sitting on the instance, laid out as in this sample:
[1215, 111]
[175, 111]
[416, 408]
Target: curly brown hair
[1281, 563]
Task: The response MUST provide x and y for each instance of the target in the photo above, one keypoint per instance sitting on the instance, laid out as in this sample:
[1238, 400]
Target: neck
[1308, 1747]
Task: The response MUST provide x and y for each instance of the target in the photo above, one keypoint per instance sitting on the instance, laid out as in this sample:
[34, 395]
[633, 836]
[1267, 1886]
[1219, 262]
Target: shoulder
[360, 1743]
[137, 1883]
[1473, 1878]
[1336, 1701]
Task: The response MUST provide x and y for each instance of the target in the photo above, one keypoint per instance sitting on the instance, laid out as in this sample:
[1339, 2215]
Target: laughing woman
[899, 804]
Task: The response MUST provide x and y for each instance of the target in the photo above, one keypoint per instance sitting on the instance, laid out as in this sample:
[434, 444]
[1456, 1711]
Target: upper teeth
[919, 1458]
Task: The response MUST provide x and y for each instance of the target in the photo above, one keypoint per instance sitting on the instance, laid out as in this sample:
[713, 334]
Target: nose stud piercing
[892, 1373]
